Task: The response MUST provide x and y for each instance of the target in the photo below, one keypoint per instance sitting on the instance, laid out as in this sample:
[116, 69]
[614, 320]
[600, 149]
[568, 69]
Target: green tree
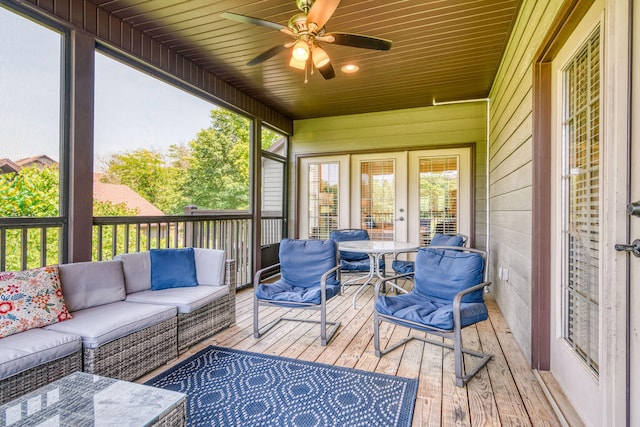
[218, 173]
[157, 177]
[32, 192]
[35, 192]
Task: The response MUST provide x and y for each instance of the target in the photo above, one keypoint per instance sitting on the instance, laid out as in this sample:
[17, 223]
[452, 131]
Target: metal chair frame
[327, 329]
[462, 375]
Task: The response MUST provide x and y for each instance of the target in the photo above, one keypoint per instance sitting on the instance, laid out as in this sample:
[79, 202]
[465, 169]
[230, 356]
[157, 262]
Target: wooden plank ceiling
[442, 50]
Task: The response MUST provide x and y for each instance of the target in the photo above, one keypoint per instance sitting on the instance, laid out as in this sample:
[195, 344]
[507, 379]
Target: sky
[132, 109]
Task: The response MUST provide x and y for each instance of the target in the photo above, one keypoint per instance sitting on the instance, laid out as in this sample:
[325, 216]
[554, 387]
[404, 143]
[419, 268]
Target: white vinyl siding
[510, 166]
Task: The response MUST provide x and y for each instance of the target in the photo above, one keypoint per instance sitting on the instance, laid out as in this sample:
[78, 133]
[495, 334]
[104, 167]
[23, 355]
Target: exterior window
[32, 223]
[581, 198]
[439, 183]
[274, 173]
[323, 199]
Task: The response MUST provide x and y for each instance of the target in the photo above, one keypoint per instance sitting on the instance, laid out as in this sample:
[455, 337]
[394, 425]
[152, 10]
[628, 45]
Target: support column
[81, 146]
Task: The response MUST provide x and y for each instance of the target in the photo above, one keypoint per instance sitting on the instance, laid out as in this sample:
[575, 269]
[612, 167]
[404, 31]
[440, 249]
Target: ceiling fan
[307, 29]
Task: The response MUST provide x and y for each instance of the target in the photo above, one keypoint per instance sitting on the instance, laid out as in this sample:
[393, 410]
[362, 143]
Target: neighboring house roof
[40, 161]
[7, 166]
[118, 193]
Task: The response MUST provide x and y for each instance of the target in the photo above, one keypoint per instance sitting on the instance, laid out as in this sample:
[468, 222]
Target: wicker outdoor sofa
[120, 328]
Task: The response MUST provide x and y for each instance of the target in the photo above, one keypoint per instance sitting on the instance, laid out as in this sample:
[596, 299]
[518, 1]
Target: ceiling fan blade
[268, 54]
[356, 40]
[255, 21]
[321, 11]
[327, 71]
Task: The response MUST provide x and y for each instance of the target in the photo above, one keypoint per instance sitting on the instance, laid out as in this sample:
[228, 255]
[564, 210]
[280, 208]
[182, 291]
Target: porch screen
[581, 199]
[323, 199]
[439, 183]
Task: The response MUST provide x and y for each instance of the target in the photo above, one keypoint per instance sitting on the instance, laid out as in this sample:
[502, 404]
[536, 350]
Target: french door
[402, 196]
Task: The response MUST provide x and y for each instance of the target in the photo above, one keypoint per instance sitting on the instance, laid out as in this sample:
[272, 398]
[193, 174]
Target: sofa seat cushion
[186, 300]
[105, 323]
[34, 347]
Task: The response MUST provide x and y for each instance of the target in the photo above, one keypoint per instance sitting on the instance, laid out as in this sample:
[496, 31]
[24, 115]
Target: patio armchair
[309, 276]
[354, 262]
[404, 267]
[447, 296]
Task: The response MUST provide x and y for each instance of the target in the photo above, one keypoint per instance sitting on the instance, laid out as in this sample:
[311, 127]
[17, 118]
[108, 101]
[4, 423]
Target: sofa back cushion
[210, 264]
[31, 299]
[89, 284]
[172, 268]
[137, 271]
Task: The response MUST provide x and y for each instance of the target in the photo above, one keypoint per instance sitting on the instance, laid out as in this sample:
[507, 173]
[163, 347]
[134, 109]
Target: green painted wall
[415, 128]
[510, 167]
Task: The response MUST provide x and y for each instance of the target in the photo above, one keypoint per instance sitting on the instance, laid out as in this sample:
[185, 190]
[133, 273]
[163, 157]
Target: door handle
[634, 248]
[400, 219]
[633, 208]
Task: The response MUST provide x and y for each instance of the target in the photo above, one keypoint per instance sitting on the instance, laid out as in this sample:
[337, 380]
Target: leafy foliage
[35, 192]
[218, 174]
[32, 192]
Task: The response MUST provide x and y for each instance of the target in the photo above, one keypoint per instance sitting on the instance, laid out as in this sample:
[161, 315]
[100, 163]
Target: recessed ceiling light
[349, 68]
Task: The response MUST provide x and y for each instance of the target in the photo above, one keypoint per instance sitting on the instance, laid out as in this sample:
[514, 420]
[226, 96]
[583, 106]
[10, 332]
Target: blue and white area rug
[228, 387]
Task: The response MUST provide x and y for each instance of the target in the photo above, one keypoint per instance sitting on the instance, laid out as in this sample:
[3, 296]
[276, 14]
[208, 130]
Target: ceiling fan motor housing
[304, 5]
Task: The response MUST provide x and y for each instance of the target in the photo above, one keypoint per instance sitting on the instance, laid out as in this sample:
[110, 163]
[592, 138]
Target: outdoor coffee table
[82, 399]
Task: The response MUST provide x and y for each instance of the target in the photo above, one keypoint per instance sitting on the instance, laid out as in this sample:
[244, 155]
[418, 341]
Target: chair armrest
[323, 279]
[259, 273]
[457, 300]
[323, 283]
[405, 251]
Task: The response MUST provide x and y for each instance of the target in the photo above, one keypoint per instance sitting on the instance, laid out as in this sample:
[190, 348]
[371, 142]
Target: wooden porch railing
[229, 232]
[31, 242]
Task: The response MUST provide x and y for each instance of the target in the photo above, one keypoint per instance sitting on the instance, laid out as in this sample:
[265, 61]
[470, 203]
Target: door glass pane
[581, 200]
[377, 192]
[323, 199]
[439, 183]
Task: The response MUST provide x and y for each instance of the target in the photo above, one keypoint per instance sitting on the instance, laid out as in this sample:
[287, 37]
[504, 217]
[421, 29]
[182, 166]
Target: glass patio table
[375, 249]
[81, 399]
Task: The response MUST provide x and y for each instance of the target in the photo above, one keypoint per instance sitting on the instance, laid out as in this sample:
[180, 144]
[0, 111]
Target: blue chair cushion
[281, 291]
[172, 268]
[423, 310]
[402, 267]
[348, 236]
[440, 239]
[303, 262]
[441, 274]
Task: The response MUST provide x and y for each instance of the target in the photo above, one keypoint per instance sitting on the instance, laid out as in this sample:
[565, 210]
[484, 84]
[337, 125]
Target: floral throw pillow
[30, 299]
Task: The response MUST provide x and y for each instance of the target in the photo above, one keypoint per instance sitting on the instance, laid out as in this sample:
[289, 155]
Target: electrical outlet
[503, 274]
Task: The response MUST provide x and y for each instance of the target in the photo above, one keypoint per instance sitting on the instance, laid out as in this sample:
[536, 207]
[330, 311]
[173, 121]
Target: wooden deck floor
[503, 393]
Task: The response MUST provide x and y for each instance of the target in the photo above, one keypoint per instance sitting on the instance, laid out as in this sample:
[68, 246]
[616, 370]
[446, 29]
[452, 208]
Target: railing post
[189, 227]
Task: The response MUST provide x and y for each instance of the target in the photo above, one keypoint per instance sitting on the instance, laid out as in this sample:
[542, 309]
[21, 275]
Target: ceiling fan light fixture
[320, 57]
[300, 51]
[349, 68]
[300, 65]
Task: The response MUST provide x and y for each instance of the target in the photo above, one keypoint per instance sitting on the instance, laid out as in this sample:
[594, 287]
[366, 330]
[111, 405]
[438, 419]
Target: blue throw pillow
[172, 268]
